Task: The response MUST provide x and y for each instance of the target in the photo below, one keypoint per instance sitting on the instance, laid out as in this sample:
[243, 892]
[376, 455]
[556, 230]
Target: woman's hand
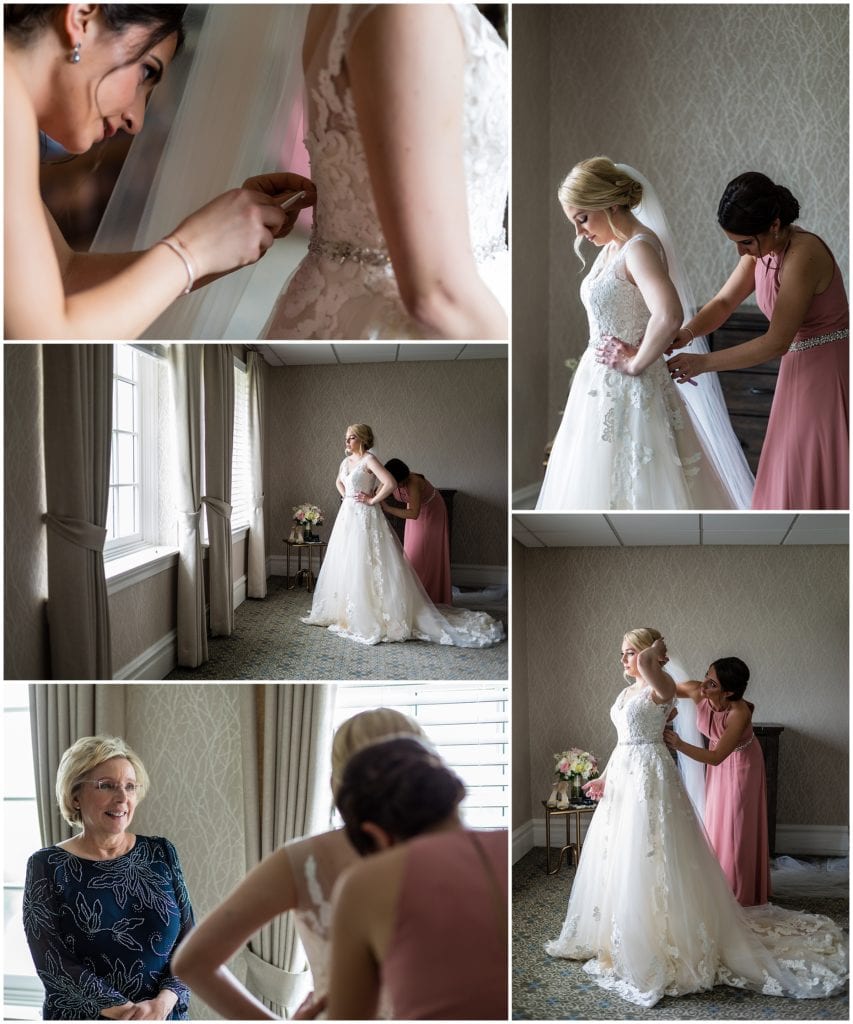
[616, 354]
[363, 498]
[672, 739]
[684, 337]
[233, 230]
[684, 366]
[594, 789]
[281, 186]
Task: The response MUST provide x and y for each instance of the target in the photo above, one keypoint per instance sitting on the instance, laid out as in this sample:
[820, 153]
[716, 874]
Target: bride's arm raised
[650, 664]
[233, 230]
[406, 65]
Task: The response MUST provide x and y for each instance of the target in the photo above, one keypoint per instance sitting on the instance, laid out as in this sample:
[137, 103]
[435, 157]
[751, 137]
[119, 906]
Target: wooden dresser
[749, 392]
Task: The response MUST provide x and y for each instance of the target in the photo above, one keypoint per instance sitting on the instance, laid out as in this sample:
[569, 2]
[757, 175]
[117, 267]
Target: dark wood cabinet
[768, 737]
[748, 393]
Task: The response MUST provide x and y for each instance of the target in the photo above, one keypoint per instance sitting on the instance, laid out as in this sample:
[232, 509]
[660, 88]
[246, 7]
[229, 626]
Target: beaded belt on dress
[743, 746]
[821, 339]
[341, 252]
[637, 743]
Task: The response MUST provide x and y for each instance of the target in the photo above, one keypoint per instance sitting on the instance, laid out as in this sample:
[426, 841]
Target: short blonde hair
[597, 184]
[363, 432]
[364, 729]
[641, 638]
[83, 757]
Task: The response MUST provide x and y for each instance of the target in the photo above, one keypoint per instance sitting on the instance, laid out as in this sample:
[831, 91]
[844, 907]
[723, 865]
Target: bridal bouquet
[575, 762]
[310, 514]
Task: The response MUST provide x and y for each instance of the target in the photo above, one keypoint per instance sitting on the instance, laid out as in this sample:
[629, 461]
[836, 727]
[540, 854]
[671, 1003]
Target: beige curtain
[185, 363]
[59, 716]
[256, 583]
[78, 402]
[287, 763]
[218, 446]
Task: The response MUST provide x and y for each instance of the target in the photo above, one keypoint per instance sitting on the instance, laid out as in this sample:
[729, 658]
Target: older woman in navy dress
[105, 910]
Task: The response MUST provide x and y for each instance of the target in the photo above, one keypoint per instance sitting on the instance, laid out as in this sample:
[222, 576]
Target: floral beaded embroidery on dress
[345, 287]
[651, 911]
[626, 442]
[367, 590]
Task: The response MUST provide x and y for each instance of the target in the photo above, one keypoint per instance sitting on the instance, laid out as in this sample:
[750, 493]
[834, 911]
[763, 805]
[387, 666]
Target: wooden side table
[573, 849]
[306, 576]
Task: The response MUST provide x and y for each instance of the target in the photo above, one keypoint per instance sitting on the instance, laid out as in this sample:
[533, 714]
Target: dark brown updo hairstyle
[22, 22]
[398, 469]
[751, 202]
[733, 675]
[400, 785]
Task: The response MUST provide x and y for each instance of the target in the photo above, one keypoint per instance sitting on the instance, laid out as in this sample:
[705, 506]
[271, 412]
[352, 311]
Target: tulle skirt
[368, 592]
[652, 913]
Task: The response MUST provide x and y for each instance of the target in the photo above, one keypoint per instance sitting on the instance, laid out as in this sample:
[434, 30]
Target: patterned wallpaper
[25, 543]
[141, 615]
[783, 610]
[691, 95]
[447, 420]
[188, 736]
[521, 806]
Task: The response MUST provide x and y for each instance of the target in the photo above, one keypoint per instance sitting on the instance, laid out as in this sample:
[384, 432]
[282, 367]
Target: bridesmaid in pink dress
[799, 288]
[735, 786]
[426, 539]
[424, 915]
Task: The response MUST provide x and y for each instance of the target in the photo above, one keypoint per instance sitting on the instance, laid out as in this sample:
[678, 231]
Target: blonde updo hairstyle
[363, 432]
[85, 756]
[365, 729]
[597, 184]
[640, 639]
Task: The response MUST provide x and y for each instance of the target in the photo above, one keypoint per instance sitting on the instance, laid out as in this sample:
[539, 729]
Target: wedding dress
[345, 287]
[650, 909]
[627, 442]
[367, 590]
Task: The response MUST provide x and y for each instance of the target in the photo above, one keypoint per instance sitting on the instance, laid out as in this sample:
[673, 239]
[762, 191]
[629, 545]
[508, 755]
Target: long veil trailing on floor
[705, 401]
[238, 115]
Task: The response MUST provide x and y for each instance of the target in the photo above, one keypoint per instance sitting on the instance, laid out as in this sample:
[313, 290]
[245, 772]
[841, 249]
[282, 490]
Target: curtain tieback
[276, 985]
[258, 502]
[217, 505]
[77, 531]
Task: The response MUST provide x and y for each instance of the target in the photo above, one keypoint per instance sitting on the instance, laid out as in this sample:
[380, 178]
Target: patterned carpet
[545, 988]
[269, 642]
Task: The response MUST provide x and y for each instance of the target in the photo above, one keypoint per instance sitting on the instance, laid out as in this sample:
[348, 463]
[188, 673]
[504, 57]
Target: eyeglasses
[108, 786]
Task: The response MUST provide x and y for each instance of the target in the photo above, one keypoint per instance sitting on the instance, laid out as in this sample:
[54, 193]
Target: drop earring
[74, 56]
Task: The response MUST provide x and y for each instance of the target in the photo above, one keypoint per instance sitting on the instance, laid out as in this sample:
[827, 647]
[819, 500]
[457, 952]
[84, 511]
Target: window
[132, 510]
[21, 836]
[241, 469]
[469, 725]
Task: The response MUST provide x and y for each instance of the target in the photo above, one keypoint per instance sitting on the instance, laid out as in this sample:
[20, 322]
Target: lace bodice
[357, 478]
[638, 719]
[346, 211]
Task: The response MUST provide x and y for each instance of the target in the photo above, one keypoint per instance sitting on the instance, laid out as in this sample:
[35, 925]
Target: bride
[367, 591]
[651, 911]
[411, 154]
[628, 439]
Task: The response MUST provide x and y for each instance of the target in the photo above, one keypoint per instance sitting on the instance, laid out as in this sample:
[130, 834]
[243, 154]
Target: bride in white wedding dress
[629, 439]
[650, 910]
[367, 591]
[407, 110]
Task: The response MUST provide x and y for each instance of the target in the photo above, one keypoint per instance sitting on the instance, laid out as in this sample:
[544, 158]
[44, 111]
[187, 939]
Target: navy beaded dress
[102, 932]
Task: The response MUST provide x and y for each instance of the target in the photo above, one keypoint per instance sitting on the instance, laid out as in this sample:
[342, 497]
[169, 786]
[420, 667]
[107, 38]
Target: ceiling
[317, 353]
[632, 529]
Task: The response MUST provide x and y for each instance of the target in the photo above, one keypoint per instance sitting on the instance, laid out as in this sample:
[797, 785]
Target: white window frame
[244, 507]
[148, 479]
[410, 697]
[23, 994]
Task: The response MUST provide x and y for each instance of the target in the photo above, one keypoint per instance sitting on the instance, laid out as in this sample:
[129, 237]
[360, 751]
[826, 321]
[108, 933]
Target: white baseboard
[525, 497]
[478, 575]
[154, 663]
[813, 840]
[805, 840]
[522, 841]
[240, 591]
